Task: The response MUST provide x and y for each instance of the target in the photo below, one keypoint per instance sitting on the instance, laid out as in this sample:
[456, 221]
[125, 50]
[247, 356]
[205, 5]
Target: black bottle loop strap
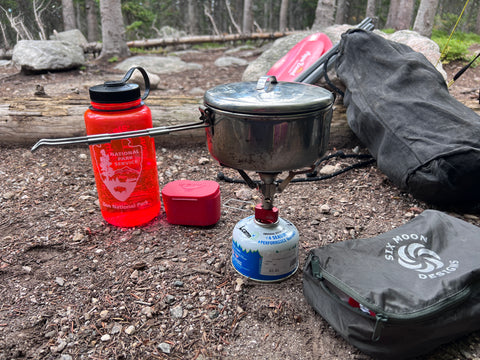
[145, 78]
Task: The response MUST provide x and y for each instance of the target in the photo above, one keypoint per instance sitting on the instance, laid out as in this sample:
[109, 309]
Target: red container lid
[189, 202]
[191, 189]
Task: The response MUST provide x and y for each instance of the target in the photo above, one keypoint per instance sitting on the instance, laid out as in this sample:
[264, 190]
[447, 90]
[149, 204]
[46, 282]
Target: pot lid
[267, 96]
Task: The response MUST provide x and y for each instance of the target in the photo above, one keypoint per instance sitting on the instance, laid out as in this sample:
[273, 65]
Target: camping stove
[265, 246]
[268, 127]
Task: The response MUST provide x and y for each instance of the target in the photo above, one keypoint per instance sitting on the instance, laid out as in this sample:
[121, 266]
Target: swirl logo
[416, 257]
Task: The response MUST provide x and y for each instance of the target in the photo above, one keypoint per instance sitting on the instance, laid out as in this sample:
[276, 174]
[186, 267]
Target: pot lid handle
[266, 83]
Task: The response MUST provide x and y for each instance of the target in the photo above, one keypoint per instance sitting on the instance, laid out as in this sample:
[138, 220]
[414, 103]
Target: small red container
[189, 202]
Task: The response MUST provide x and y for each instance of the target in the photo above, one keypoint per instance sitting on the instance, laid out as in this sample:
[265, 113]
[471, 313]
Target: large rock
[280, 47]
[47, 55]
[158, 64]
[421, 44]
[264, 62]
[73, 36]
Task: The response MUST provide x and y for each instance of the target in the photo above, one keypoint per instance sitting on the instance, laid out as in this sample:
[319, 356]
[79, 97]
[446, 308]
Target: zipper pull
[380, 322]
[316, 268]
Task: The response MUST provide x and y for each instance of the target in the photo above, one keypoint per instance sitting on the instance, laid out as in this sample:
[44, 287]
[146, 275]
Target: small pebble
[165, 347]
[105, 337]
[8, 195]
[177, 312]
[169, 299]
[327, 170]
[116, 328]
[239, 283]
[130, 330]
[213, 314]
[325, 209]
[50, 334]
[147, 311]
[78, 236]
[203, 160]
[104, 314]
[134, 274]
[244, 194]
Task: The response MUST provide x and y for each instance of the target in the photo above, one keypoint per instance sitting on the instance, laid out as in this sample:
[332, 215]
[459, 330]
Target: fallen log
[24, 121]
[96, 47]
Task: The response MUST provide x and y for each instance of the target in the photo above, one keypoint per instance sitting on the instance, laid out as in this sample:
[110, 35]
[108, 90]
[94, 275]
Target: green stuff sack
[402, 293]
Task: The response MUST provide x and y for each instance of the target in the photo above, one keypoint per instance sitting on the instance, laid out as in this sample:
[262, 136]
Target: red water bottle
[126, 169]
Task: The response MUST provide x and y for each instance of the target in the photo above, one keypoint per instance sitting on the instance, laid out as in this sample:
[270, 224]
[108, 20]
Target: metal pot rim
[272, 97]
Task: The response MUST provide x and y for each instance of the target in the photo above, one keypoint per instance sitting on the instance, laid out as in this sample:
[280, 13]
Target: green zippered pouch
[404, 292]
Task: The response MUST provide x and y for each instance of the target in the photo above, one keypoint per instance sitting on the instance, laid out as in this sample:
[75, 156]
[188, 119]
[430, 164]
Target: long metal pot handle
[104, 138]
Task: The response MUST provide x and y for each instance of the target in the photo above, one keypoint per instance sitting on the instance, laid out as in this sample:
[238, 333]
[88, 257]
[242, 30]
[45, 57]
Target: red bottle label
[119, 166]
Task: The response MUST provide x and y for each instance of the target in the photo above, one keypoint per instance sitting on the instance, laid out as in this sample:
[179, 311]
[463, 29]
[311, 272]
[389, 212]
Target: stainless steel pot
[268, 126]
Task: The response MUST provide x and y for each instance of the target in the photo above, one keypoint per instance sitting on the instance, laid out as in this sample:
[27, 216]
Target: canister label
[265, 253]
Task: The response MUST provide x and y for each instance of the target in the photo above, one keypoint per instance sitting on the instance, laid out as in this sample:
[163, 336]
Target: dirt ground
[74, 287]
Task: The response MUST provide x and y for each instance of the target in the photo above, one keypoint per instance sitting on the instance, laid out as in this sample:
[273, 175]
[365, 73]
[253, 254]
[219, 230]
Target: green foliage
[458, 45]
[388, 31]
[206, 46]
[447, 22]
[135, 50]
[134, 26]
[113, 59]
[138, 19]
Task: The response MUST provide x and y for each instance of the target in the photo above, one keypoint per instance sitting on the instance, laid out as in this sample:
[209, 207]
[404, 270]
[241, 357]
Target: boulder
[225, 61]
[73, 36]
[137, 78]
[47, 55]
[265, 61]
[158, 64]
[280, 47]
[421, 44]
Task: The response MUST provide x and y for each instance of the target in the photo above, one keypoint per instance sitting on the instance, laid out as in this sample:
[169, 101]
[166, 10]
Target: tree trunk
[324, 14]
[68, 13]
[400, 14]
[283, 15]
[371, 9]
[247, 17]
[341, 13]
[192, 22]
[477, 24]
[92, 20]
[405, 15]
[6, 43]
[392, 14]
[113, 31]
[425, 17]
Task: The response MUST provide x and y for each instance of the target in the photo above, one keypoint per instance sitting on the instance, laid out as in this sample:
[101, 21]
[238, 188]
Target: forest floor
[74, 287]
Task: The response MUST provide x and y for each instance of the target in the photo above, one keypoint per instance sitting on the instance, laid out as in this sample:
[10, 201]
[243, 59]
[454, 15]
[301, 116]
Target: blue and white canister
[265, 252]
